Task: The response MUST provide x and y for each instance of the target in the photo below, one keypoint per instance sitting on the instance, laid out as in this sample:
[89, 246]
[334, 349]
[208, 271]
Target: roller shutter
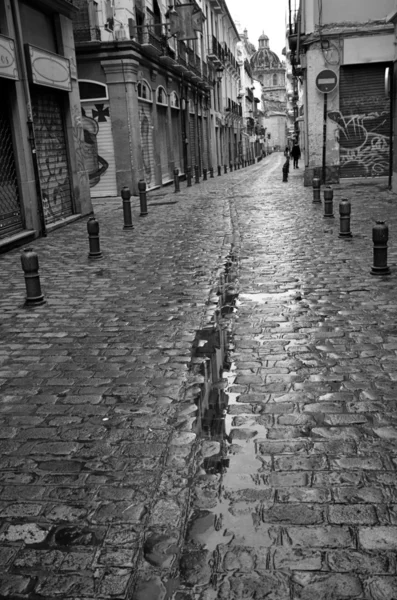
[192, 140]
[206, 161]
[363, 121]
[200, 143]
[52, 155]
[146, 131]
[99, 149]
[176, 137]
[162, 141]
[10, 208]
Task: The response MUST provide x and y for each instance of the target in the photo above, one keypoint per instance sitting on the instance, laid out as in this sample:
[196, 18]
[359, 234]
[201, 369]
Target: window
[275, 79]
[161, 97]
[144, 91]
[92, 90]
[174, 100]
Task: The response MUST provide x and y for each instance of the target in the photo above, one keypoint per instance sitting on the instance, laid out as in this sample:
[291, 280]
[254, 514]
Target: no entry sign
[326, 81]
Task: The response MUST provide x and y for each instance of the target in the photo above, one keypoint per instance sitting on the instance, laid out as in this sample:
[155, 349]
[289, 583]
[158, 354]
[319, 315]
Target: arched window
[174, 100]
[275, 79]
[144, 91]
[161, 96]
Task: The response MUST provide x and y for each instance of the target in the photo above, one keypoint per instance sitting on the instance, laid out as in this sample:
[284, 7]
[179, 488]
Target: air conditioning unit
[109, 15]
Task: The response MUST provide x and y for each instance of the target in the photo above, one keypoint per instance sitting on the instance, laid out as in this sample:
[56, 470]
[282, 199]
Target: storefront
[11, 218]
[98, 138]
[43, 180]
[363, 121]
[145, 107]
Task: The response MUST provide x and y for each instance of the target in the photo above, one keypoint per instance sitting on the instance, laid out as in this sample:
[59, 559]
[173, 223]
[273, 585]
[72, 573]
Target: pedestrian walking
[296, 154]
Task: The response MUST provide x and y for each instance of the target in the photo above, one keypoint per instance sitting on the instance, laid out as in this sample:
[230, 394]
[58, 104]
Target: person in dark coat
[296, 154]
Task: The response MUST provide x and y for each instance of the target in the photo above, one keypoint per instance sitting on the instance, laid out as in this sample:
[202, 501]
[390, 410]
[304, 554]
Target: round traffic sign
[326, 81]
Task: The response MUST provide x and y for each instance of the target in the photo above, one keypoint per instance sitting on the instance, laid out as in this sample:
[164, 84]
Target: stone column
[121, 79]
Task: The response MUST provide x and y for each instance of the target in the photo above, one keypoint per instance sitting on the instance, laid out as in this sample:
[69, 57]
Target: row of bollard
[380, 231]
[189, 172]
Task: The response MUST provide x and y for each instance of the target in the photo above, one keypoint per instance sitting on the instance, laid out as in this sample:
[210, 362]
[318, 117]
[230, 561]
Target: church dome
[264, 58]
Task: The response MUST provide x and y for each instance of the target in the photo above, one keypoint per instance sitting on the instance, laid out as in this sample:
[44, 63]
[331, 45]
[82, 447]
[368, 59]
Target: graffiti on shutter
[363, 121]
[162, 141]
[52, 155]
[146, 130]
[10, 209]
[176, 137]
[99, 149]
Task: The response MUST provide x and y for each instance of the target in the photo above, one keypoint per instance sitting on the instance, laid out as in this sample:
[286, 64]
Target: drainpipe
[32, 139]
[391, 143]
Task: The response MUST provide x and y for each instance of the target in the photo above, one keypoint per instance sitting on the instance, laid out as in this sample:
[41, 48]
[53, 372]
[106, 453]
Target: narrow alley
[209, 411]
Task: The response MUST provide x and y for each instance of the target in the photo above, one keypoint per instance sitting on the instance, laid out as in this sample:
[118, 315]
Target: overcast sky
[260, 16]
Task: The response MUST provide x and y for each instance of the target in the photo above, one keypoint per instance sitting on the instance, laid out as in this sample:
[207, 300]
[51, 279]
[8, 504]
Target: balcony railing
[250, 94]
[153, 35]
[215, 51]
[87, 34]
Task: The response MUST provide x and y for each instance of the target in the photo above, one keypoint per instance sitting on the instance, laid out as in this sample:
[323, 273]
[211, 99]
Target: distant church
[270, 71]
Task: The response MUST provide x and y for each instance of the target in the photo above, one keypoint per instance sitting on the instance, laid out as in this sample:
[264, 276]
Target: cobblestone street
[208, 412]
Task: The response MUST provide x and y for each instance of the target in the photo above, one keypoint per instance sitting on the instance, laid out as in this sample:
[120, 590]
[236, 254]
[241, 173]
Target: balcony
[229, 57]
[152, 39]
[215, 51]
[249, 94]
[216, 5]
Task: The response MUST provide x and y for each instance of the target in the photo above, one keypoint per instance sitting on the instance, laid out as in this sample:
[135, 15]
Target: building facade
[43, 180]
[158, 87]
[339, 52]
[268, 69]
[248, 97]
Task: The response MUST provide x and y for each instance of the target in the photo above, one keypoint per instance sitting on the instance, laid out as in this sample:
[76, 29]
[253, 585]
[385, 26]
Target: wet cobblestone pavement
[208, 412]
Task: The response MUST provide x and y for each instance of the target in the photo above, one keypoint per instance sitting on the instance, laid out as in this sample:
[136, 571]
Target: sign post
[326, 82]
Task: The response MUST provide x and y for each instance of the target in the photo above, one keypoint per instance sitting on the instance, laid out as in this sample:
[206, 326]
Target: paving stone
[96, 383]
[378, 538]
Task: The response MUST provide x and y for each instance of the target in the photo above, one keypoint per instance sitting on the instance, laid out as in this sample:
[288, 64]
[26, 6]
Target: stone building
[158, 86]
[43, 180]
[270, 71]
[340, 53]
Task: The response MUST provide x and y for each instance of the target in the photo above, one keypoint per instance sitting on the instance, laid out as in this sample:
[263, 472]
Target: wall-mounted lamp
[171, 12]
[219, 74]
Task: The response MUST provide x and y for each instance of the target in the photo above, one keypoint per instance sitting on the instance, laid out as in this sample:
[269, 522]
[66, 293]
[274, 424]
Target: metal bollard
[211, 172]
[380, 235]
[204, 174]
[196, 174]
[231, 167]
[328, 203]
[126, 196]
[285, 172]
[219, 170]
[93, 238]
[30, 266]
[142, 197]
[344, 213]
[189, 176]
[316, 190]
[225, 168]
[176, 180]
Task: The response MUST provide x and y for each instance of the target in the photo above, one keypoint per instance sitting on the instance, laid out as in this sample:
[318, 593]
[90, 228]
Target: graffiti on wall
[364, 146]
[95, 164]
[146, 144]
[78, 138]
